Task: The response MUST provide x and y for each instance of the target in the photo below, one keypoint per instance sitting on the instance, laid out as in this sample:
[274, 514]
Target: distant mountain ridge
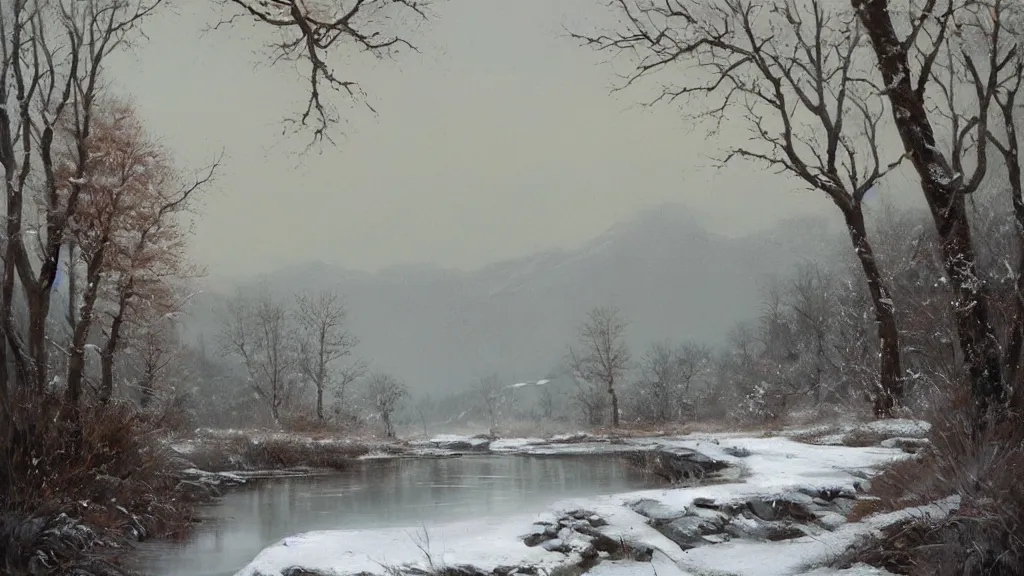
[440, 329]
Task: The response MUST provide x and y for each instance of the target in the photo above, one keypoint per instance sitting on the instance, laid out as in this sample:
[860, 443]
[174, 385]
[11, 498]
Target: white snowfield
[771, 468]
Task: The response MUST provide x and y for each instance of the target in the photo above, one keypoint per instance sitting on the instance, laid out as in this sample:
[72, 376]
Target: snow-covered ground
[820, 481]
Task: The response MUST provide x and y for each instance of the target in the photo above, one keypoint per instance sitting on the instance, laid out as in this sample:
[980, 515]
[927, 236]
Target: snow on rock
[797, 494]
[515, 444]
[458, 442]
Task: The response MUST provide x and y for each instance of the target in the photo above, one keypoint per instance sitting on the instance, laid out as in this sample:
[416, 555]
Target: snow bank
[485, 544]
[771, 467]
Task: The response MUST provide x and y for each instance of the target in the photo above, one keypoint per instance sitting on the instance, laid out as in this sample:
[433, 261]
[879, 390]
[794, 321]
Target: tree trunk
[110, 348]
[38, 301]
[944, 193]
[890, 391]
[72, 287]
[76, 356]
[615, 406]
[320, 401]
[147, 388]
[1015, 338]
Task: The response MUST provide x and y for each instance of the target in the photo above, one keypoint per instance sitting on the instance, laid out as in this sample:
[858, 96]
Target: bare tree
[51, 56]
[157, 347]
[602, 357]
[310, 30]
[323, 341]
[385, 393]
[788, 68]
[659, 389]
[999, 35]
[907, 58]
[490, 390]
[255, 328]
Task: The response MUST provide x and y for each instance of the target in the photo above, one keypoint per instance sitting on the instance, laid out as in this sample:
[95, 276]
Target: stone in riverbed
[831, 520]
[714, 521]
[656, 511]
[702, 502]
[538, 533]
[761, 509]
[596, 521]
[555, 545]
[688, 532]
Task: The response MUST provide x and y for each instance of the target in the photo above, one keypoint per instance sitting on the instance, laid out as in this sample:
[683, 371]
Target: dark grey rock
[716, 538]
[702, 502]
[713, 520]
[596, 521]
[798, 498]
[747, 526]
[761, 509]
[783, 531]
[538, 533]
[686, 532]
[736, 451]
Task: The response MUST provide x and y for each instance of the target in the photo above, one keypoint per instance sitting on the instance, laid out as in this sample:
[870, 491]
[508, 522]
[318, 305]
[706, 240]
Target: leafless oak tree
[789, 69]
[323, 341]
[385, 393]
[602, 356]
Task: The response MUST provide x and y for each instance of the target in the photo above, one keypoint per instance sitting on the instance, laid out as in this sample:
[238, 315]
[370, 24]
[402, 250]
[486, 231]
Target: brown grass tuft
[984, 536]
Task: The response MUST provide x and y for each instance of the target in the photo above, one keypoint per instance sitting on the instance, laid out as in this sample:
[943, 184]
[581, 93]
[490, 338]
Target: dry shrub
[275, 452]
[985, 535]
[109, 470]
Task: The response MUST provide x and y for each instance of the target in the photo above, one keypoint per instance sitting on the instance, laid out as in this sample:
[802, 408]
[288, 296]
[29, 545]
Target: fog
[500, 139]
[501, 191]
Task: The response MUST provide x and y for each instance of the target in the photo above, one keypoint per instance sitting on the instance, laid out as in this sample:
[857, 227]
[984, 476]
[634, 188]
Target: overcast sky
[499, 140]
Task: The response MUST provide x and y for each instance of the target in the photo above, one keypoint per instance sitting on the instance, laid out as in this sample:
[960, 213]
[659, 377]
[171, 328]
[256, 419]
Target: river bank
[790, 507]
[261, 453]
[882, 441]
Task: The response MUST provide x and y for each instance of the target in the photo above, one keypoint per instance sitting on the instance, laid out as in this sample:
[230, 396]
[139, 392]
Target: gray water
[377, 494]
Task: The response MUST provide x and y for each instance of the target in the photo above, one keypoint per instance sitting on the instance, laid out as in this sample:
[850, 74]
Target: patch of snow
[484, 543]
[898, 427]
[515, 444]
[660, 565]
[458, 439]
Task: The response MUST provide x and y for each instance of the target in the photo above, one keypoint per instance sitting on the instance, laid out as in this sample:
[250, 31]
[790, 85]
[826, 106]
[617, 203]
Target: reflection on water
[375, 494]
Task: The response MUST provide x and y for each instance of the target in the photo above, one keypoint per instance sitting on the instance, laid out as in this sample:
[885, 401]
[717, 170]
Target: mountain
[440, 329]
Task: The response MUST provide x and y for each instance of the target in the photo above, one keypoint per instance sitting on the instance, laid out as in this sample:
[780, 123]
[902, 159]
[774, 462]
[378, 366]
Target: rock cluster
[577, 531]
[791, 515]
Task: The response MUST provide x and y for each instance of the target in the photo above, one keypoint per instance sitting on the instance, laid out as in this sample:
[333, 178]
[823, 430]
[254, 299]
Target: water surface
[378, 494]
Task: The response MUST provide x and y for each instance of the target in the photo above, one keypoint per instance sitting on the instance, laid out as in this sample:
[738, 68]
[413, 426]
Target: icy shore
[781, 513]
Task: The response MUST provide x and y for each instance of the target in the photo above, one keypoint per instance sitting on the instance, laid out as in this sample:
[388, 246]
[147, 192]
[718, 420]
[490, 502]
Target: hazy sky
[500, 140]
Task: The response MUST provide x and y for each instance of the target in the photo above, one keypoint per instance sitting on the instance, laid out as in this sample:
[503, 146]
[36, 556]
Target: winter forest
[137, 401]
